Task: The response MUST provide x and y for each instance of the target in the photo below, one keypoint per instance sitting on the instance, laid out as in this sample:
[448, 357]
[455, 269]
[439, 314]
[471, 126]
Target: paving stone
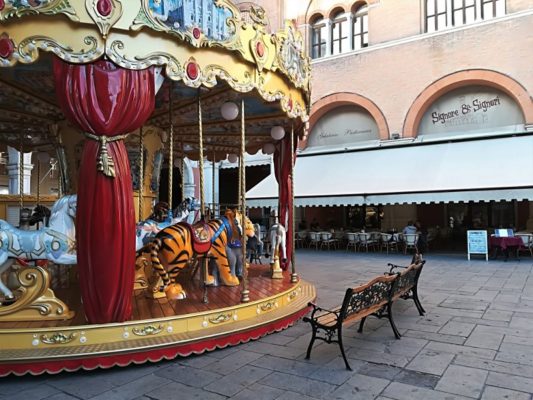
[14, 384]
[34, 393]
[496, 366]
[520, 323]
[360, 387]
[457, 328]
[335, 371]
[463, 350]
[512, 382]
[305, 386]
[258, 392]
[59, 396]
[485, 340]
[437, 337]
[481, 321]
[276, 350]
[379, 358]
[498, 315]
[283, 365]
[516, 353]
[197, 361]
[188, 375]
[133, 389]
[237, 381]
[431, 362]
[83, 385]
[288, 395]
[177, 390]
[494, 393]
[526, 341]
[232, 362]
[415, 378]
[379, 370]
[463, 381]
[401, 391]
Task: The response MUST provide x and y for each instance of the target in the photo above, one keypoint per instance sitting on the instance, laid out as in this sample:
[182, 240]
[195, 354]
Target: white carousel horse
[147, 229]
[56, 243]
[278, 235]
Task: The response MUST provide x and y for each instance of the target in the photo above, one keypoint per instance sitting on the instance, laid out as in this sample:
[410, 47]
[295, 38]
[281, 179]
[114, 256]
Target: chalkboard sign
[477, 243]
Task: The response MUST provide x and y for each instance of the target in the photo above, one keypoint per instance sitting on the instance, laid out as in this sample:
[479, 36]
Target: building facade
[422, 109]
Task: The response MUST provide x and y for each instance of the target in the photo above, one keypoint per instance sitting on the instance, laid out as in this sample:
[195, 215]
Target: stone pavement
[476, 341]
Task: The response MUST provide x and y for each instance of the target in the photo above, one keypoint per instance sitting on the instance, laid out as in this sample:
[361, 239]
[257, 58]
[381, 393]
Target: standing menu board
[477, 243]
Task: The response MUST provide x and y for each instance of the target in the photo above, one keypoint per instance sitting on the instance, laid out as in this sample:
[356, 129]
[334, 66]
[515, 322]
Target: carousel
[114, 275]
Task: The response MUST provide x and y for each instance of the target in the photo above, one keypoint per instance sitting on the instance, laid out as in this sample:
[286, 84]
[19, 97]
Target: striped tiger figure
[173, 249]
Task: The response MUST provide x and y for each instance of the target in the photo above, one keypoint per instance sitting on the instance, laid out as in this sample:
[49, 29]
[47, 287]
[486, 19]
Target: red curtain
[103, 99]
[282, 168]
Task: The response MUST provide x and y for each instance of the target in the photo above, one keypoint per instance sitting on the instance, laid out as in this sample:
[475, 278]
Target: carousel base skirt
[53, 349]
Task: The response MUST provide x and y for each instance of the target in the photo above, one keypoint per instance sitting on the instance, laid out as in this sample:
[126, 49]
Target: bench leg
[393, 326]
[361, 324]
[339, 333]
[418, 305]
[310, 347]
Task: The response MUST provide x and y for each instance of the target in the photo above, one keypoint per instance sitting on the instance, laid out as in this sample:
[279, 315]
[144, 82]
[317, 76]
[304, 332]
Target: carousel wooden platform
[160, 328]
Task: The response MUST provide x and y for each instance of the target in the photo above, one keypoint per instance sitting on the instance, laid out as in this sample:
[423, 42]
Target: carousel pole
[182, 165]
[21, 175]
[213, 185]
[294, 275]
[203, 260]
[141, 173]
[171, 149]
[245, 294]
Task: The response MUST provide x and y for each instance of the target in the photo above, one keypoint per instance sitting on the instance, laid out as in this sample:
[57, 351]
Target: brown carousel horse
[178, 246]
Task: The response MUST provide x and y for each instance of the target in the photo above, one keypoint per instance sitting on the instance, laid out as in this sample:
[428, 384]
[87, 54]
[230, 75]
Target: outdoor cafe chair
[527, 240]
[366, 241]
[388, 242]
[314, 240]
[410, 241]
[353, 240]
[327, 240]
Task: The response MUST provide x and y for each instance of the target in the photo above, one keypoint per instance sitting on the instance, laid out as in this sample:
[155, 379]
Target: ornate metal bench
[374, 298]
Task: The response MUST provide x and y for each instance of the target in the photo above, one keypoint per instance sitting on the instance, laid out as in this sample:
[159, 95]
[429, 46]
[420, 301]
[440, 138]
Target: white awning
[478, 170]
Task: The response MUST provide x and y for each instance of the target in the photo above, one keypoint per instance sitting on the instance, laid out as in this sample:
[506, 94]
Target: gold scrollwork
[35, 299]
[148, 330]
[220, 318]
[268, 306]
[49, 7]
[58, 338]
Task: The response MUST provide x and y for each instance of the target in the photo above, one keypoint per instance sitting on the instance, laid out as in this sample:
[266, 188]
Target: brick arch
[328, 103]
[335, 9]
[479, 77]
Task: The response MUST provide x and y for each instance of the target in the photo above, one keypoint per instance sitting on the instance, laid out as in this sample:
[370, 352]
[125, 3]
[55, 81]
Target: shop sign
[477, 243]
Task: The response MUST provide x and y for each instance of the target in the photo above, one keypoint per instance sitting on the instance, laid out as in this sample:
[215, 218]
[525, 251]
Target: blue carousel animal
[56, 243]
[160, 219]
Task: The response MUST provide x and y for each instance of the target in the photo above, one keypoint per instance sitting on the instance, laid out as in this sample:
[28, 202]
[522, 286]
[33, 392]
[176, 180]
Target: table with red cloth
[504, 244]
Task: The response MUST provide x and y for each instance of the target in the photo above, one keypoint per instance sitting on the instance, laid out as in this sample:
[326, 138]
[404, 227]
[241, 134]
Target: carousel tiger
[178, 246]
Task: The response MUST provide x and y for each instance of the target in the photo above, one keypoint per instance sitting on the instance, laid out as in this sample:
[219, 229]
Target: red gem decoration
[290, 104]
[196, 33]
[260, 49]
[7, 47]
[104, 7]
[2, 4]
[192, 71]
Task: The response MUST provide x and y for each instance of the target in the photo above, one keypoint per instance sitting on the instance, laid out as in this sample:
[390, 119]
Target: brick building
[422, 109]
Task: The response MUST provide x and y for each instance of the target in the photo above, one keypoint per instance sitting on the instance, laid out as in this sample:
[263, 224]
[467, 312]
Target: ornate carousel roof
[205, 49]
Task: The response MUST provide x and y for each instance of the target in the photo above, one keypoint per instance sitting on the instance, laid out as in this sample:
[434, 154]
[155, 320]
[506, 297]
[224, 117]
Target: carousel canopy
[211, 52]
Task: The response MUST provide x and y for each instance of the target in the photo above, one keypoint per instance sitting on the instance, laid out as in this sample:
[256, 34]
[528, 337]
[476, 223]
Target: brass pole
[201, 156]
[21, 174]
[294, 275]
[38, 180]
[213, 185]
[182, 171]
[141, 173]
[171, 147]
[245, 294]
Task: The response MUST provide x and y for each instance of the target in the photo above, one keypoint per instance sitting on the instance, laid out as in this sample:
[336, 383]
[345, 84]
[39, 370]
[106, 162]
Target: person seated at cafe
[302, 226]
[409, 229]
[422, 243]
[314, 225]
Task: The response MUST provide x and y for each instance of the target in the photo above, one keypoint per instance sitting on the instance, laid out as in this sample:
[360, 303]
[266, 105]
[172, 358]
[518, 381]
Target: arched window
[339, 33]
[318, 37]
[360, 27]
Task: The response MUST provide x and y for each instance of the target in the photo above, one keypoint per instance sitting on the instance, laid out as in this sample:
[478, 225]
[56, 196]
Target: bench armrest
[320, 309]
[393, 267]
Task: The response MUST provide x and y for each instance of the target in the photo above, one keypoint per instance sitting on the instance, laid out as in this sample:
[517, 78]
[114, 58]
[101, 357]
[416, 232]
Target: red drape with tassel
[282, 168]
[103, 99]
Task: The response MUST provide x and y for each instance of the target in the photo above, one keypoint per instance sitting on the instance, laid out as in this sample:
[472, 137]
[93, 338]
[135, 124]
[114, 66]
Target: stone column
[13, 171]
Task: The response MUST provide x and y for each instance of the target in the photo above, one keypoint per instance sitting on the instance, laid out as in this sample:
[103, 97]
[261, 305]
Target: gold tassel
[105, 163]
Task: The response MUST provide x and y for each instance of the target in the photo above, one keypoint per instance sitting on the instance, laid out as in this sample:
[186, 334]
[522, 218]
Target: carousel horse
[161, 219]
[56, 243]
[178, 246]
[234, 248]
